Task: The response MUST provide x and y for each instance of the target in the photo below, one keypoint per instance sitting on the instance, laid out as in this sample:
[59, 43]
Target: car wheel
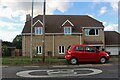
[73, 61]
[103, 60]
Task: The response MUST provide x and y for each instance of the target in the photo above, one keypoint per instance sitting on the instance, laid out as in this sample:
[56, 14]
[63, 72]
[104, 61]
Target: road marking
[31, 66]
[86, 65]
[81, 65]
[103, 64]
[4, 66]
[58, 73]
[56, 66]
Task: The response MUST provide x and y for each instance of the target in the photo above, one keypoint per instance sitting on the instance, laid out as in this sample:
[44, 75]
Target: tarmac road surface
[106, 71]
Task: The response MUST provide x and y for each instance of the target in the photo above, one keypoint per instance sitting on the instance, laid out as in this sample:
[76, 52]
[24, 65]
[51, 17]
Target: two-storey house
[60, 32]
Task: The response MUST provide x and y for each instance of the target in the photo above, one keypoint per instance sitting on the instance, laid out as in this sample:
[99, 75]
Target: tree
[6, 43]
[5, 51]
[17, 42]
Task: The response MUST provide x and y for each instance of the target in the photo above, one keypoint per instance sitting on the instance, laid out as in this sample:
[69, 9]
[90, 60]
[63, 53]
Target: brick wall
[95, 38]
[51, 43]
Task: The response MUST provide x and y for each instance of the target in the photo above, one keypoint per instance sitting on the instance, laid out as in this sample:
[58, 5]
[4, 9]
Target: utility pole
[43, 41]
[31, 32]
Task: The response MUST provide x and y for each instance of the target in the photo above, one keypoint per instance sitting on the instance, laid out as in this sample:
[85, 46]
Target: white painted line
[86, 65]
[4, 66]
[31, 66]
[61, 73]
[56, 66]
[102, 64]
[107, 64]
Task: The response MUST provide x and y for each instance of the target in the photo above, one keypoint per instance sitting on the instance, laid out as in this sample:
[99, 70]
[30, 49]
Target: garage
[114, 50]
[112, 42]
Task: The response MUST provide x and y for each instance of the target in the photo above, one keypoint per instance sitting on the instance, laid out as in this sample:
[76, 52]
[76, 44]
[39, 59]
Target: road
[86, 71]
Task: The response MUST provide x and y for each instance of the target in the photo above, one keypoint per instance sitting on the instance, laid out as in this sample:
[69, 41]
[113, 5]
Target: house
[60, 32]
[112, 42]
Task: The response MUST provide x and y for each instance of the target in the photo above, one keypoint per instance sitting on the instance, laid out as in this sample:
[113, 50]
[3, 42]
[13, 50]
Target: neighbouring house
[112, 42]
[60, 32]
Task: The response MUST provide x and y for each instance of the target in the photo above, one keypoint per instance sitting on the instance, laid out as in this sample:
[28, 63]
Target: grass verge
[35, 61]
[38, 60]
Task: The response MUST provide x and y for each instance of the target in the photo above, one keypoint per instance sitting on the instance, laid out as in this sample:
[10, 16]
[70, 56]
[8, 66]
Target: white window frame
[38, 28]
[61, 52]
[67, 32]
[39, 52]
[87, 32]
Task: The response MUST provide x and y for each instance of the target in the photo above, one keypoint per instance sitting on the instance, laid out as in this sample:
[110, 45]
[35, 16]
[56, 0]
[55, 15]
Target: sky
[13, 13]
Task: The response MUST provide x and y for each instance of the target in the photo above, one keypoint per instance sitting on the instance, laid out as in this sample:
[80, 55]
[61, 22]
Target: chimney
[28, 17]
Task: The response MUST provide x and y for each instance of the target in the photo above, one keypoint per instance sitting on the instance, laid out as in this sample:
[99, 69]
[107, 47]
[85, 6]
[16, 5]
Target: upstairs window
[67, 30]
[90, 32]
[38, 30]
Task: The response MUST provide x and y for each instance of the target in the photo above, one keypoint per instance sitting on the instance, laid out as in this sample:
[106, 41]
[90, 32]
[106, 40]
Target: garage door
[113, 50]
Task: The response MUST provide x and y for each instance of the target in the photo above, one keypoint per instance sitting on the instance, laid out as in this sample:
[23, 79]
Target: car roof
[79, 45]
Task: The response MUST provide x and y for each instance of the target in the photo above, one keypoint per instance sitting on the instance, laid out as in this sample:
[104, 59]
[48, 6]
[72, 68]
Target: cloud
[8, 30]
[111, 27]
[103, 10]
[20, 9]
[61, 6]
[114, 5]
[10, 26]
[13, 14]
[8, 35]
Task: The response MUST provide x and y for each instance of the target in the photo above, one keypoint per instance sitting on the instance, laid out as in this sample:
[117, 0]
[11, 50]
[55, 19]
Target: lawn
[35, 61]
[38, 61]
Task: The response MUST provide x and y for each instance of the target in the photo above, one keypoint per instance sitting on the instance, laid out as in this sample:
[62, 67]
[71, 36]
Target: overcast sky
[13, 13]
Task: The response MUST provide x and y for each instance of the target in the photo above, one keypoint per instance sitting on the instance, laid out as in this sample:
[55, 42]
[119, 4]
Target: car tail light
[69, 52]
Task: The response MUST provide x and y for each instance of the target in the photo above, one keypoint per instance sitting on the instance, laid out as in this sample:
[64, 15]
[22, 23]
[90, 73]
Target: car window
[89, 49]
[68, 47]
[78, 48]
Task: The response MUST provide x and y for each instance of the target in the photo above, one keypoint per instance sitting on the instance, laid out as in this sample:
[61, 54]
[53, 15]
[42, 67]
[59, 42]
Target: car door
[79, 52]
[90, 53]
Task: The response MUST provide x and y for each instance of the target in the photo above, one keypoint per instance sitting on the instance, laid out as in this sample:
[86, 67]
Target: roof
[112, 38]
[54, 22]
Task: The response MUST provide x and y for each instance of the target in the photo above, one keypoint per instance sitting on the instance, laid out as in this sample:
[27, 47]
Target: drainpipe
[53, 45]
[80, 38]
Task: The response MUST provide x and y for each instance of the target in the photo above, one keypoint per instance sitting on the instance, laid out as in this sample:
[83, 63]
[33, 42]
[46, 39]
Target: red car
[85, 53]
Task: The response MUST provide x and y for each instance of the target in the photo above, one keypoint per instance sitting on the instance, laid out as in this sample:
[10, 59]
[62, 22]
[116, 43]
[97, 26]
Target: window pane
[63, 49]
[40, 49]
[37, 49]
[89, 49]
[96, 31]
[68, 47]
[78, 48]
[59, 49]
[38, 30]
[92, 32]
[87, 31]
[67, 30]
